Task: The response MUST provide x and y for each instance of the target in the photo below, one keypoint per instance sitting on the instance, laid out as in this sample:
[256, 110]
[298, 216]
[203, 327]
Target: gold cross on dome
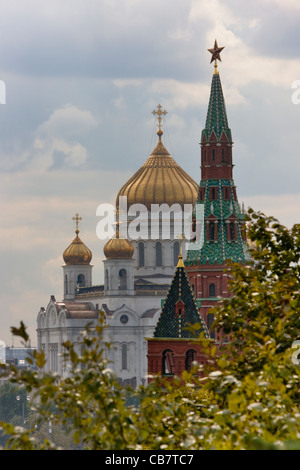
[77, 218]
[159, 111]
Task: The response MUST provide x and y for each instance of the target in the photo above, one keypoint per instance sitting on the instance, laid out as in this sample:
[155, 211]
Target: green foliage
[247, 397]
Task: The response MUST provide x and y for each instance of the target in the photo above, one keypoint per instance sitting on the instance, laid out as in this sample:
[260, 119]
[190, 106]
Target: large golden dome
[77, 252]
[160, 180]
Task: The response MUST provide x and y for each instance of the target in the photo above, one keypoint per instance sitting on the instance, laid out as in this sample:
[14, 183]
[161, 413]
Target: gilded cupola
[160, 179]
[118, 248]
[77, 252]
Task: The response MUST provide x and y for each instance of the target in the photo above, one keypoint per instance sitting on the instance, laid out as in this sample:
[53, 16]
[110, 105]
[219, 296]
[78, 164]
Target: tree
[247, 398]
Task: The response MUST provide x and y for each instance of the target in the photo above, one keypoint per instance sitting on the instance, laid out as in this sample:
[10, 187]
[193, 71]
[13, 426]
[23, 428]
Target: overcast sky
[82, 78]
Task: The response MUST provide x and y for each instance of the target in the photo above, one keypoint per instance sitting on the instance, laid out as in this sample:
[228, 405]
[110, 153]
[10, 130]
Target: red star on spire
[215, 52]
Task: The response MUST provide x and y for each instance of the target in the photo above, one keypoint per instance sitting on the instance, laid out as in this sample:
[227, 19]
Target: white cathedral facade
[137, 274]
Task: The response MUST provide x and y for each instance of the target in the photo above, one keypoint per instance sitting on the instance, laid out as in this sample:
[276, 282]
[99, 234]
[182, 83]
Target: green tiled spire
[216, 119]
[221, 212]
[217, 193]
[180, 309]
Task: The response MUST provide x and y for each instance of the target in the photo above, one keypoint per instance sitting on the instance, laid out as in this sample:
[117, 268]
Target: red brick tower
[173, 347]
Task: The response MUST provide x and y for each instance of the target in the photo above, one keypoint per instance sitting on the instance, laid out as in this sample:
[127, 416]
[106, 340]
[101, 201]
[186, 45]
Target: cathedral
[152, 283]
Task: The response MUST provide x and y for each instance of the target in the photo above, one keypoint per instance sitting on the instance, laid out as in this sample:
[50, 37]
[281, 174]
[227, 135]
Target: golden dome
[160, 180]
[77, 252]
[118, 248]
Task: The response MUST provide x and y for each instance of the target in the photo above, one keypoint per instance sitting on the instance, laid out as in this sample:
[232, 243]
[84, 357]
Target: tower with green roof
[223, 235]
[174, 347]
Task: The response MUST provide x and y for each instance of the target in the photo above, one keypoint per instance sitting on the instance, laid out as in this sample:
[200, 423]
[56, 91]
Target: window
[213, 194]
[66, 284]
[80, 280]
[124, 356]
[210, 320]
[223, 155]
[176, 251]
[226, 193]
[53, 357]
[204, 155]
[190, 357]
[158, 254]
[167, 362]
[211, 231]
[106, 280]
[212, 290]
[122, 279]
[213, 155]
[231, 232]
[141, 249]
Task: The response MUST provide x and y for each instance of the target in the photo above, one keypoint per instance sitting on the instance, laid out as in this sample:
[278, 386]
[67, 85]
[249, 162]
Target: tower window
[80, 280]
[122, 279]
[223, 155]
[210, 320]
[213, 194]
[226, 193]
[211, 231]
[190, 357]
[66, 284]
[141, 249]
[231, 231]
[167, 362]
[176, 250]
[124, 355]
[213, 155]
[212, 290]
[204, 155]
[106, 280]
[158, 254]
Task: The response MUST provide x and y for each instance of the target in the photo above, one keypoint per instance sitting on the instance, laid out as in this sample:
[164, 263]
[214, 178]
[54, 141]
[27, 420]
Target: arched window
[167, 362]
[141, 249]
[213, 155]
[176, 250]
[210, 320]
[211, 231]
[223, 155]
[122, 279]
[106, 280]
[80, 280]
[231, 231]
[124, 356]
[212, 290]
[158, 254]
[190, 357]
[66, 285]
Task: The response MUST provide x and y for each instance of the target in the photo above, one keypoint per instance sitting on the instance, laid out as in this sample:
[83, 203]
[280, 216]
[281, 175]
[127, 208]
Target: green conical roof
[216, 119]
[220, 211]
[171, 324]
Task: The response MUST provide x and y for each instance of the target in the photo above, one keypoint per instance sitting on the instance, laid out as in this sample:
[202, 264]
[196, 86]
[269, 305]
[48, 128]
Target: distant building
[18, 355]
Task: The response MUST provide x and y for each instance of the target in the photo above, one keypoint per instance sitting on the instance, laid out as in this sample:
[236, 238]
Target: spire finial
[216, 55]
[180, 263]
[76, 218]
[159, 111]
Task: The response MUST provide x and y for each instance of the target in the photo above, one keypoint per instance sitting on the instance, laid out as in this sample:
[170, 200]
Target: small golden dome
[160, 180]
[118, 248]
[77, 252]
